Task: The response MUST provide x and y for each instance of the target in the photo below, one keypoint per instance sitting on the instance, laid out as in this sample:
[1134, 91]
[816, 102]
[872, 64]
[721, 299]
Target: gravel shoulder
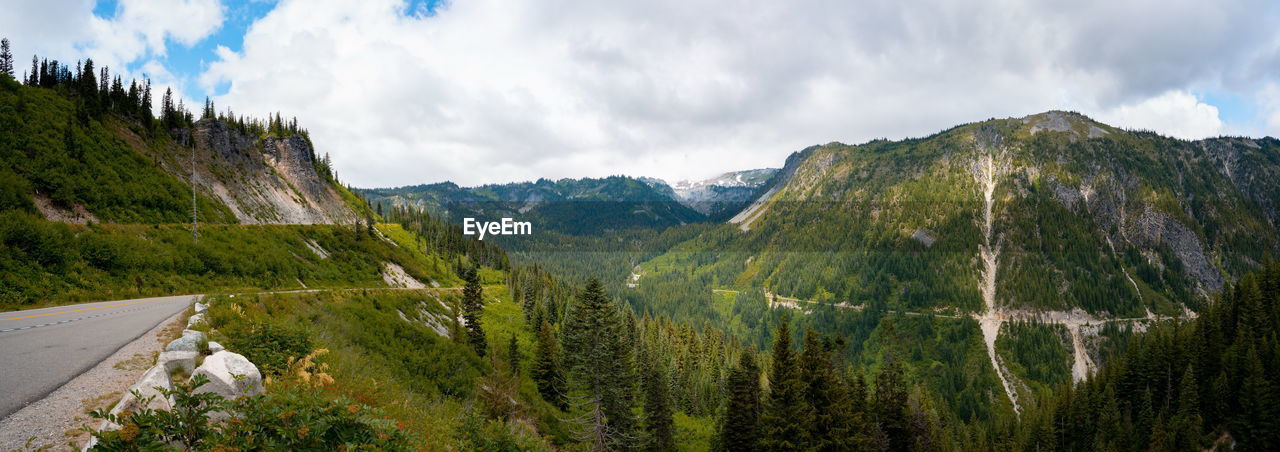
[55, 421]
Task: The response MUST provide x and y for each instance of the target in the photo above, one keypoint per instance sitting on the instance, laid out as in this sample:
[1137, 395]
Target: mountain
[1076, 214]
[721, 196]
[262, 179]
[95, 202]
[114, 169]
[1033, 245]
[573, 206]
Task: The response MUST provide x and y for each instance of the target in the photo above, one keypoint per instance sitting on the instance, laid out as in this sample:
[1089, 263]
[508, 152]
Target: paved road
[40, 349]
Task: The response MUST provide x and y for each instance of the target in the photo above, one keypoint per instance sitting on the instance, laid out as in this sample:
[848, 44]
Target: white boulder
[155, 377]
[183, 361]
[230, 375]
[215, 347]
[189, 342]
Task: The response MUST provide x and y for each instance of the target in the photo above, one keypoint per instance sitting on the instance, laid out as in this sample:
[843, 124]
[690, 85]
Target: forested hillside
[82, 146]
[96, 200]
[568, 206]
[1181, 386]
[995, 260]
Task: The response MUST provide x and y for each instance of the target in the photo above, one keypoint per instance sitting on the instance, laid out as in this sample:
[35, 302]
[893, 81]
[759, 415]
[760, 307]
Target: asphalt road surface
[41, 349]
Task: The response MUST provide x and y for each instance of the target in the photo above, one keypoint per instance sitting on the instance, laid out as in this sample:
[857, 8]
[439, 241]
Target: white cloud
[136, 34]
[500, 90]
[491, 91]
[1174, 113]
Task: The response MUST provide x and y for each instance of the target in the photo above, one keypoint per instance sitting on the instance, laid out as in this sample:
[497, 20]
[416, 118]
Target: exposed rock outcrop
[263, 181]
[1157, 228]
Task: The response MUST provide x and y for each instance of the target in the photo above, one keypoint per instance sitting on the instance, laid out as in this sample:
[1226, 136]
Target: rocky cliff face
[263, 181]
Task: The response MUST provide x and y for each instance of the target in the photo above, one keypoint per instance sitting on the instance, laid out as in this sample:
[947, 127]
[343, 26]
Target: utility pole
[195, 236]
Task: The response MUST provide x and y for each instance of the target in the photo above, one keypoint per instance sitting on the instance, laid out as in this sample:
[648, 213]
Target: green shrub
[290, 418]
[146, 429]
[478, 434]
[297, 418]
[270, 346]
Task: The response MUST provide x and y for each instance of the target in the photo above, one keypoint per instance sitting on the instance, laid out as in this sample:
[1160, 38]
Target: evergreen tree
[658, 425]
[740, 426]
[88, 90]
[546, 367]
[787, 416]
[890, 404]
[597, 354]
[1189, 423]
[6, 58]
[472, 305]
[1256, 422]
[513, 355]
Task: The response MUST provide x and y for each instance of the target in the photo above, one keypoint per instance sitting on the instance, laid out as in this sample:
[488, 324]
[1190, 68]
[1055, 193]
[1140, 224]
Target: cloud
[500, 90]
[1174, 113]
[131, 41]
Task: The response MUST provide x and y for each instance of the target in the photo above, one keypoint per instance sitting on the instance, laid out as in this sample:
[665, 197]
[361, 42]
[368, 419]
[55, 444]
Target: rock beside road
[230, 375]
[189, 342]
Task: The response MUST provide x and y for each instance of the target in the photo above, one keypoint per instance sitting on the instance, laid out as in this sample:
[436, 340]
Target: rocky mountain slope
[114, 168]
[1081, 215]
[1079, 228]
[720, 196]
[263, 180]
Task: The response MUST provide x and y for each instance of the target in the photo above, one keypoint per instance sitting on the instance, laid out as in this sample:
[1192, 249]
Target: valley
[952, 289]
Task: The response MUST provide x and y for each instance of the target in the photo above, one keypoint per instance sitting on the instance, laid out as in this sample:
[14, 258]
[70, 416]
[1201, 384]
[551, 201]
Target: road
[41, 349]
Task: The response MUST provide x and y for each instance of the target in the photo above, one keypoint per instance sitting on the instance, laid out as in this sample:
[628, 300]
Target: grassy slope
[421, 379]
[102, 165]
[51, 263]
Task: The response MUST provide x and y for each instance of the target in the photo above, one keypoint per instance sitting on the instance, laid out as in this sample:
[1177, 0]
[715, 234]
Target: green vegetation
[46, 151]
[43, 262]
[1038, 354]
[569, 206]
[419, 380]
[292, 417]
[1179, 386]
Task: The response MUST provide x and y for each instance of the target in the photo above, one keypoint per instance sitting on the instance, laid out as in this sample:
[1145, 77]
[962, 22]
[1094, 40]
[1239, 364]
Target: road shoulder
[55, 420]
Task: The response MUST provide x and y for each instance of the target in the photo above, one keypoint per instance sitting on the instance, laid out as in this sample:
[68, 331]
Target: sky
[489, 91]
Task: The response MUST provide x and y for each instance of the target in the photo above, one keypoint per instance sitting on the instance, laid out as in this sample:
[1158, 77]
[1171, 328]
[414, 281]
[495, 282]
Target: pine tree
[34, 77]
[88, 90]
[1256, 422]
[889, 402]
[1189, 423]
[472, 305]
[658, 424]
[6, 58]
[546, 367]
[598, 358]
[740, 427]
[787, 416]
[513, 355]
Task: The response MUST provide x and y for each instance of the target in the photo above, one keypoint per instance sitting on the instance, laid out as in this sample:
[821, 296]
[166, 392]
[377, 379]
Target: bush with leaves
[186, 424]
[475, 433]
[292, 417]
[298, 418]
[270, 346]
